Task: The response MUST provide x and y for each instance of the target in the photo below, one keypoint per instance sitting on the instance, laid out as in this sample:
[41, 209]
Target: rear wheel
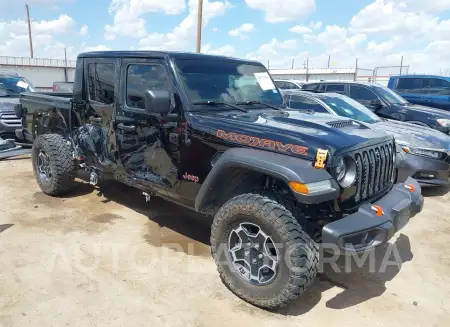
[262, 253]
[53, 164]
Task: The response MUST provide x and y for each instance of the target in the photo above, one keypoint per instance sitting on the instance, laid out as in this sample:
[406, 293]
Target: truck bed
[42, 100]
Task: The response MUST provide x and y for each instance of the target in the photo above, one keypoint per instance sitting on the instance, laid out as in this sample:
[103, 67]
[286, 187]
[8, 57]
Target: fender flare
[282, 167]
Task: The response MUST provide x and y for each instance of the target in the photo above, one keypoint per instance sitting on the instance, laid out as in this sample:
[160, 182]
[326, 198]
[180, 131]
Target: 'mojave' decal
[262, 143]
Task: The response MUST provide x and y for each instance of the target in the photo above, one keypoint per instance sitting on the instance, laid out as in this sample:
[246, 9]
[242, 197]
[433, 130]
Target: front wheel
[262, 253]
[53, 164]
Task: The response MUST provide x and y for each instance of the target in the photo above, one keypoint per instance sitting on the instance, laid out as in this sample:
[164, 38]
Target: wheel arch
[242, 170]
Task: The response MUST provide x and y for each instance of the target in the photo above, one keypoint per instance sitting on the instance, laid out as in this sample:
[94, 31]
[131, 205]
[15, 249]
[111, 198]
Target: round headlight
[345, 171]
[340, 169]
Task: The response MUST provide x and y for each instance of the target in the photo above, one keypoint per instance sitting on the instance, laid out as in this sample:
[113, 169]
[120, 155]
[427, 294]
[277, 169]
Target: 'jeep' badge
[321, 158]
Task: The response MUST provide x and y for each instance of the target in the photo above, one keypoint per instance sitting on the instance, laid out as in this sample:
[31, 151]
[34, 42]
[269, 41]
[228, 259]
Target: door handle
[126, 128]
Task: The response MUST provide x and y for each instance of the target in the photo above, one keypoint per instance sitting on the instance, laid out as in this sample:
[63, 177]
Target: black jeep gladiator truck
[212, 133]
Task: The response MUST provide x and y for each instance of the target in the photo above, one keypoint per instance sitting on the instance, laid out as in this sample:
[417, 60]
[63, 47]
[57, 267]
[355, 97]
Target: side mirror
[157, 101]
[376, 104]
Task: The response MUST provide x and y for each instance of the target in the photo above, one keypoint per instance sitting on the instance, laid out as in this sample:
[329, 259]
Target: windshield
[350, 108]
[390, 96]
[225, 81]
[14, 85]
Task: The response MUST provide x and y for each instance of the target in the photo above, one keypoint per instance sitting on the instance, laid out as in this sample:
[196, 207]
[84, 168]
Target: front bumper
[427, 171]
[365, 229]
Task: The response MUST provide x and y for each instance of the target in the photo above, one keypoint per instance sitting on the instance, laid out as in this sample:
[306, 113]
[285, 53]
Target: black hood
[437, 113]
[7, 104]
[414, 135]
[311, 131]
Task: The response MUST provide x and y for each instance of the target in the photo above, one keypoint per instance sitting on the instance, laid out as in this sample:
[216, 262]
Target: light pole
[199, 25]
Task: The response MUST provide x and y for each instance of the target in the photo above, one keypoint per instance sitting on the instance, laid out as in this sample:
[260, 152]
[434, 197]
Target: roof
[422, 76]
[9, 73]
[160, 55]
[320, 95]
[346, 82]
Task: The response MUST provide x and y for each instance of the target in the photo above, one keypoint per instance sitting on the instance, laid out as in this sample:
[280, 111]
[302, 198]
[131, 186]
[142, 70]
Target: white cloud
[215, 30]
[127, 15]
[382, 16]
[100, 47]
[242, 31]
[300, 29]
[383, 47]
[315, 25]
[61, 25]
[275, 51]
[226, 50]
[427, 6]
[283, 10]
[336, 39]
[84, 30]
[182, 37]
[14, 37]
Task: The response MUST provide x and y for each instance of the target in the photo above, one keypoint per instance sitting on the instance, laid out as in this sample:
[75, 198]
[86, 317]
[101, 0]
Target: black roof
[320, 95]
[346, 82]
[159, 55]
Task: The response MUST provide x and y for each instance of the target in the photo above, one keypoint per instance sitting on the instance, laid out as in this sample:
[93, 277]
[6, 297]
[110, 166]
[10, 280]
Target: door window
[305, 103]
[338, 88]
[101, 79]
[360, 93]
[142, 77]
[439, 87]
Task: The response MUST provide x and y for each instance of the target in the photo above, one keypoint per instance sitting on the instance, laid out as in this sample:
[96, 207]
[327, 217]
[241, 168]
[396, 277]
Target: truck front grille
[10, 119]
[374, 166]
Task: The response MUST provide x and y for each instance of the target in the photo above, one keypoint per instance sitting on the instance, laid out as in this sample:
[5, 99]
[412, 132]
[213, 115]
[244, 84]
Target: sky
[279, 33]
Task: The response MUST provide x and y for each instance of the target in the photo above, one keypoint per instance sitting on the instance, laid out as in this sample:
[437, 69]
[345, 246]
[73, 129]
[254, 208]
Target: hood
[437, 113]
[414, 135]
[302, 131]
[7, 104]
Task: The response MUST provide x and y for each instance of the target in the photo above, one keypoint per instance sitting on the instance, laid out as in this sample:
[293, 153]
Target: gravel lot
[103, 257]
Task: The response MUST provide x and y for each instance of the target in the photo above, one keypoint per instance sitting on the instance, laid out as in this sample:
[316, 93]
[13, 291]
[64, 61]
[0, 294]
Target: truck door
[100, 78]
[140, 135]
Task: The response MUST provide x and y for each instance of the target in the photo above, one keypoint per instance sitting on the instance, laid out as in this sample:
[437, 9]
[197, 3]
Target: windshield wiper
[259, 102]
[216, 103]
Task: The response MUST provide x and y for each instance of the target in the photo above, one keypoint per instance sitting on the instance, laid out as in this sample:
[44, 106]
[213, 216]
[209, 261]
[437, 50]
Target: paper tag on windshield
[264, 81]
[22, 84]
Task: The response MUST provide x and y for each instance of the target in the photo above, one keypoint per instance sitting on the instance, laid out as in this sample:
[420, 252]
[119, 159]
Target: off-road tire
[62, 165]
[298, 248]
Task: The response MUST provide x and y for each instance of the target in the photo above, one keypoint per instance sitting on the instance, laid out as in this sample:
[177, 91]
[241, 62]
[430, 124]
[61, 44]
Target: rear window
[311, 87]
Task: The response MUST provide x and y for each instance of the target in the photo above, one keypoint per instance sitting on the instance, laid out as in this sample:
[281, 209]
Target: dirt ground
[103, 257]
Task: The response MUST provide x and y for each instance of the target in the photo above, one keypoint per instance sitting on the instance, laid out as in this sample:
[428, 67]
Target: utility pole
[29, 31]
[199, 25]
[401, 65]
[66, 77]
[307, 69]
[329, 58]
[292, 67]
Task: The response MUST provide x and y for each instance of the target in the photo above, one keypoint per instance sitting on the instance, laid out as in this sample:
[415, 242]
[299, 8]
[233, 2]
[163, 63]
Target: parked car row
[387, 103]
[423, 153]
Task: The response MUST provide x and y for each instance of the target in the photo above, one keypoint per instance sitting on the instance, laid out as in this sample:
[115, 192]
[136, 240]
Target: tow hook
[93, 178]
[147, 196]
